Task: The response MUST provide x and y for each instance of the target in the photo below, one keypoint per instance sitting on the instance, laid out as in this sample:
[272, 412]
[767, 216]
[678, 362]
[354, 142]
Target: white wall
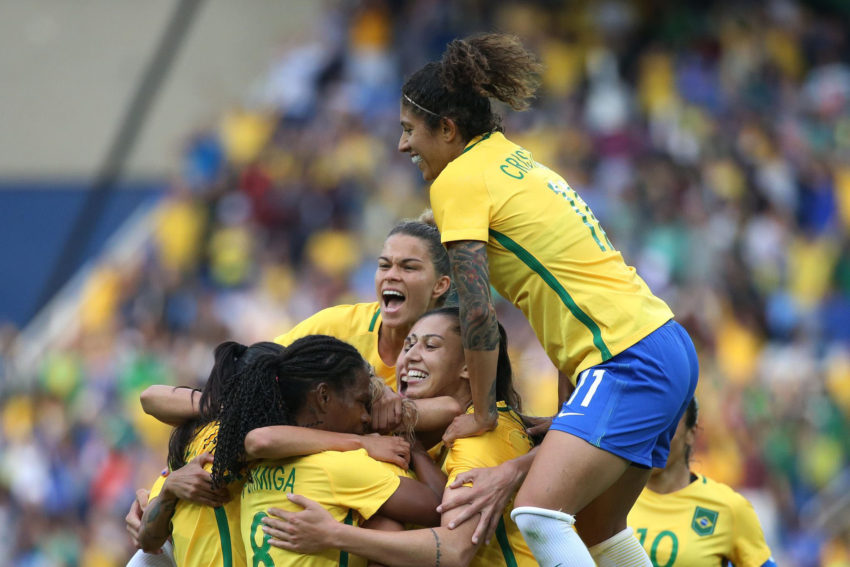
[68, 69]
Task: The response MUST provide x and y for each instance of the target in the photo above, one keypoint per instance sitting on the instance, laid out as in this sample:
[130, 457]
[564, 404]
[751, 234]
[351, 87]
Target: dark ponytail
[271, 388]
[227, 355]
[691, 418]
[253, 400]
[472, 71]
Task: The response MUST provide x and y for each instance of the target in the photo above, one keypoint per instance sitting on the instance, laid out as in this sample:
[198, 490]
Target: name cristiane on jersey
[270, 478]
[518, 164]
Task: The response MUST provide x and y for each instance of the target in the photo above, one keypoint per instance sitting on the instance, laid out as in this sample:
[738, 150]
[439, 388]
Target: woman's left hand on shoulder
[466, 426]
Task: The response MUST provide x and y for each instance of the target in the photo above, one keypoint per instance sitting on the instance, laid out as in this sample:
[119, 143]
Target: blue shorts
[631, 404]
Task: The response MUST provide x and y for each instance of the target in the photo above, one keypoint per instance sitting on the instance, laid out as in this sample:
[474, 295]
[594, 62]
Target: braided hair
[272, 388]
[229, 356]
[472, 71]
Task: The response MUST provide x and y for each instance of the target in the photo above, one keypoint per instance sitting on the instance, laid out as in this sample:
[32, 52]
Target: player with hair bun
[685, 518]
[510, 221]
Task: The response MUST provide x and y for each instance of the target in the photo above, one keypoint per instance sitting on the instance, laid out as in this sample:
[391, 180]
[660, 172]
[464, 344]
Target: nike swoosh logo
[566, 413]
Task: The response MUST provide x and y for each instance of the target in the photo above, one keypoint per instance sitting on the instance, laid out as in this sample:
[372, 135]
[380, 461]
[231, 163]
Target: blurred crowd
[712, 140]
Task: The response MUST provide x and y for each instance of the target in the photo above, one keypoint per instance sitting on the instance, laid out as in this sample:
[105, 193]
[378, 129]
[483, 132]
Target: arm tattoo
[437, 541]
[479, 328]
[158, 508]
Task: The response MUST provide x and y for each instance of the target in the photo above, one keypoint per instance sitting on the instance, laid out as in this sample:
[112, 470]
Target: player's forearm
[435, 414]
[282, 441]
[427, 471]
[479, 327]
[169, 404]
[156, 522]
[414, 548]
[521, 465]
[482, 366]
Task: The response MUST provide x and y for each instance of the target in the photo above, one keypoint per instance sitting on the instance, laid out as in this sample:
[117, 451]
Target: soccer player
[205, 529]
[431, 364]
[411, 278]
[316, 382]
[509, 221]
[684, 518]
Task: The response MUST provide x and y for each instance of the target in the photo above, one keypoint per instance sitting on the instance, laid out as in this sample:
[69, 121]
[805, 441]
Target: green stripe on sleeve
[224, 536]
[374, 320]
[556, 286]
[505, 544]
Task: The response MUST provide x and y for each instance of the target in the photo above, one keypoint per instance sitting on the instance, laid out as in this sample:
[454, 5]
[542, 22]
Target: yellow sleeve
[360, 482]
[157, 486]
[461, 205]
[471, 453]
[749, 548]
[313, 325]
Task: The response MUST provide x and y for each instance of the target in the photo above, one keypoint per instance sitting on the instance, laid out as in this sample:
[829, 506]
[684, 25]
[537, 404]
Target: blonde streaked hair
[409, 413]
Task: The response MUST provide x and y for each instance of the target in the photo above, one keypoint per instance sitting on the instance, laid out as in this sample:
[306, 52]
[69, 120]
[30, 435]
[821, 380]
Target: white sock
[551, 537]
[620, 550]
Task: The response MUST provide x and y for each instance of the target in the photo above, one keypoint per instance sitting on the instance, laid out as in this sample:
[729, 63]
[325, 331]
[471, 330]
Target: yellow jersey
[547, 253]
[205, 536]
[357, 324]
[350, 485]
[704, 524]
[504, 443]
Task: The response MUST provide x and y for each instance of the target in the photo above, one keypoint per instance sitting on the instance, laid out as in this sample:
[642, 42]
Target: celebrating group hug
[390, 433]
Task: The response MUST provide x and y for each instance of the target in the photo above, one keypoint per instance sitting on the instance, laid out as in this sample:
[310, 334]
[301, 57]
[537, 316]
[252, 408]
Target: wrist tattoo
[437, 541]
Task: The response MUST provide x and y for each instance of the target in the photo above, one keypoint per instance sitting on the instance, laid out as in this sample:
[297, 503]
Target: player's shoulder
[328, 320]
[203, 440]
[357, 464]
[347, 310]
[509, 431]
[721, 492]
[339, 458]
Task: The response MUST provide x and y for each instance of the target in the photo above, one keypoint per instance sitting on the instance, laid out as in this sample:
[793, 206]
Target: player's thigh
[606, 515]
[568, 473]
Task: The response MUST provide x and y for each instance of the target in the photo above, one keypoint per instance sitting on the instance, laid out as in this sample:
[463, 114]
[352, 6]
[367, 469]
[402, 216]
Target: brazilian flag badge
[704, 521]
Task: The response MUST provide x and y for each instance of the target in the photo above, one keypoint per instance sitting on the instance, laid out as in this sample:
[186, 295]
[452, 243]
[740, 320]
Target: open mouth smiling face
[431, 363]
[392, 300]
[411, 376]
